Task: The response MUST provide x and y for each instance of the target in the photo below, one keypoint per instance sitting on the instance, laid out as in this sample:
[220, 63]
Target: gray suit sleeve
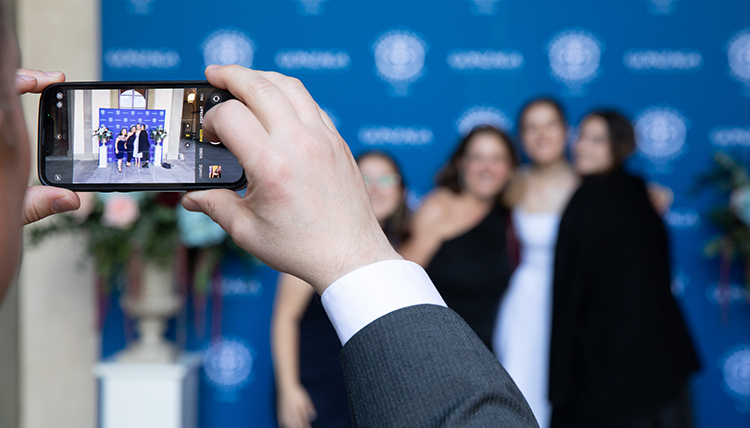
[422, 366]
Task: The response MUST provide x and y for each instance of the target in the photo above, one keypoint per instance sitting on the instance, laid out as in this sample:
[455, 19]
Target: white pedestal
[103, 156]
[158, 151]
[149, 395]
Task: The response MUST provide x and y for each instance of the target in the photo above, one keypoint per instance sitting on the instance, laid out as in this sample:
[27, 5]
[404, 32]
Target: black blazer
[143, 144]
[619, 345]
[422, 366]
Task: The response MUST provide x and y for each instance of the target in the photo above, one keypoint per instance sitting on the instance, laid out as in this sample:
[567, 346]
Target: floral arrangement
[732, 219]
[103, 134]
[158, 134]
[145, 227]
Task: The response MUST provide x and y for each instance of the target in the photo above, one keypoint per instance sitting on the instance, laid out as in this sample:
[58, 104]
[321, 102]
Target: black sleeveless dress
[472, 271]
[320, 370]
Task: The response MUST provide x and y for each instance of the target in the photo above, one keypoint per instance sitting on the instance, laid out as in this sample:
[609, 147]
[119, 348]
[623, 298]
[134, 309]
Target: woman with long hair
[121, 147]
[620, 351]
[461, 233]
[539, 196]
[310, 389]
[131, 144]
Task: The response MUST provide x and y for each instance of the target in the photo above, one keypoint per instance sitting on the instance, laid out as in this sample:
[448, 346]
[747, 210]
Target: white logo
[660, 133]
[680, 282]
[312, 60]
[729, 137]
[662, 7]
[399, 58]
[484, 7]
[736, 370]
[738, 51]
[141, 7]
[662, 60]
[142, 58]
[485, 60]
[482, 115]
[226, 47]
[574, 57]
[311, 7]
[729, 293]
[228, 364]
[395, 135]
[683, 218]
[241, 287]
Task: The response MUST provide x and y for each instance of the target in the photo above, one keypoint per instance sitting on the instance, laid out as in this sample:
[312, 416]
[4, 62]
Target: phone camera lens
[59, 95]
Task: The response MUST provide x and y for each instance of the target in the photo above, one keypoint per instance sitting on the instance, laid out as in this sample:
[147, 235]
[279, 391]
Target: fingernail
[53, 73]
[25, 77]
[212, 67]
[190, 204]
[63, 204]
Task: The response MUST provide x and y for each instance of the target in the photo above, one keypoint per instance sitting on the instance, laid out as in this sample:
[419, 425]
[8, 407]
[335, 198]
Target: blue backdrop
[409, 76]
[116, 119]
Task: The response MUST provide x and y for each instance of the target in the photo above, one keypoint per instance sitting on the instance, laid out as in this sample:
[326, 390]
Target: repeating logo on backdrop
[142, 59]
[399, 59]
[484, 7]
[574, 59]
[661, 133]
[396, 135]
[311, 7]
[228, 364]
[482, 115]
[228, 46]
[662, 7]
[314, 60]
[731, 136]
[140, 7]
[484, 60]
[736, 370]
[664, 60]
[738, 52]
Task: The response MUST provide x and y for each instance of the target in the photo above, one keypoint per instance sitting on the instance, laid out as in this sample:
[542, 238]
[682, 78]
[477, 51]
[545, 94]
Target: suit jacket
[422, 366]
[619, 346]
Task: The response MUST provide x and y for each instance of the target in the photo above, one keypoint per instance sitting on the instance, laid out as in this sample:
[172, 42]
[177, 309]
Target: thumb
[222, 205]
[43, 201]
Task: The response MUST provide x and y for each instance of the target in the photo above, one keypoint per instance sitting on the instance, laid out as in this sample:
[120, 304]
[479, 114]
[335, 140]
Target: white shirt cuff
[366, 294]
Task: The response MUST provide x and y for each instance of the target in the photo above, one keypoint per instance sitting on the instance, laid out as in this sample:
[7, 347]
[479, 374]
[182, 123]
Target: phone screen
[132, 137]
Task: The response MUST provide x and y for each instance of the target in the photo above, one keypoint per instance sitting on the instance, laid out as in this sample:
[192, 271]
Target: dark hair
[450, 176]
[397, 226]
[621, 134]
[537, 101]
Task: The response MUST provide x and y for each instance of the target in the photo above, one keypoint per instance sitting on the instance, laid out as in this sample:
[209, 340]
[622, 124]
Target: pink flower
[120, 211]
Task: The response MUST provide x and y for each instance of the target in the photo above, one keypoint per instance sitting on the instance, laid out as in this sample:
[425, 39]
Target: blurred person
[144, 145]
[461, 233]
[621, 354]
[539, 196]
[21, 205]
[121, 147]
[310, 389]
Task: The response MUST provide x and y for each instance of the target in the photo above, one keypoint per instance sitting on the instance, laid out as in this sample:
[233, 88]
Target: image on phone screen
[135, 136]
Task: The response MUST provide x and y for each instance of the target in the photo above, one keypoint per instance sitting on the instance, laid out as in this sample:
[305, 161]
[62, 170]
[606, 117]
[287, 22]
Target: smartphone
[132, 136]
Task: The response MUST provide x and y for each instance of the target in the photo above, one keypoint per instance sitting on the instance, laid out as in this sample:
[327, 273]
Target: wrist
[354, 261]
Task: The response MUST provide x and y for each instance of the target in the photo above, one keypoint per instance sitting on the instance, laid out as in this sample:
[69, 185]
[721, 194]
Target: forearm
[285, 348]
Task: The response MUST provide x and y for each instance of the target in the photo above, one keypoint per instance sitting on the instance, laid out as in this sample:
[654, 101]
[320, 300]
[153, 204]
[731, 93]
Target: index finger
[43, 79]
[267, 102]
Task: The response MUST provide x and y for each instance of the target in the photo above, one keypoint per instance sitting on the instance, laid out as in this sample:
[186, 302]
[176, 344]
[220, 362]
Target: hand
[42, 201]
[661, 197]
[306, 210]
[294, 408]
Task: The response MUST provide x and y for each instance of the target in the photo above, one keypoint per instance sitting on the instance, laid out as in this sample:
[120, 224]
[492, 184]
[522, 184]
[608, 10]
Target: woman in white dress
[522, 332]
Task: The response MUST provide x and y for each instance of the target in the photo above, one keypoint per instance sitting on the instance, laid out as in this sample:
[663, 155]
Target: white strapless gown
[522, 332]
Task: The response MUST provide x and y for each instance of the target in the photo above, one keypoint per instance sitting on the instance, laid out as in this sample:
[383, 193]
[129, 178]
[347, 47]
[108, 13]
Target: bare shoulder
[436, 205]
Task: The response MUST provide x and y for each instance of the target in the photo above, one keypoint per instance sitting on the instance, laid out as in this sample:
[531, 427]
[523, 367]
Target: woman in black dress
[620, 352]
[121, 147]
[131, 143]
[310, 390]
[462, 234]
